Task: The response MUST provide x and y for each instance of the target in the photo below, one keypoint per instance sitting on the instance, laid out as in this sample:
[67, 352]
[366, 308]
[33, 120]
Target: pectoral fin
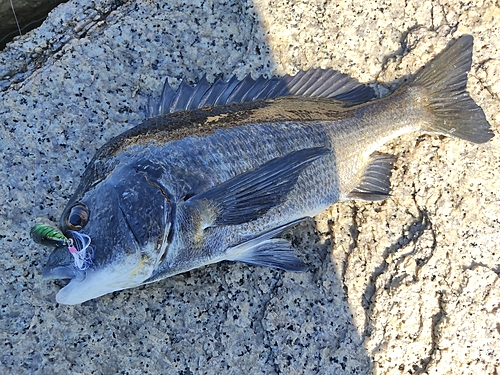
[375, 182]
[250, 195]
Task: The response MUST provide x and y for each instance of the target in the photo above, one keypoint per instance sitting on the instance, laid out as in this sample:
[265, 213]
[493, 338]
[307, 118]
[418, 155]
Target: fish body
[220, 182]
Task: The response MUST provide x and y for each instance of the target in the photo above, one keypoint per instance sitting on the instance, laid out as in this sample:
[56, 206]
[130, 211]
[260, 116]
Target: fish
[218, 171]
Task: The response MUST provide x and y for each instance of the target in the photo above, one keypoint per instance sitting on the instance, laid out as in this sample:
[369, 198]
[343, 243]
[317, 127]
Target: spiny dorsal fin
[375, 182]
[318, 83]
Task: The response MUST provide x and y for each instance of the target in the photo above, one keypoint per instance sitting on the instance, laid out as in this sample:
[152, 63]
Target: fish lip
[65, 296]
[57, 272]
[60, 266]
[63, 273]
[93, 287]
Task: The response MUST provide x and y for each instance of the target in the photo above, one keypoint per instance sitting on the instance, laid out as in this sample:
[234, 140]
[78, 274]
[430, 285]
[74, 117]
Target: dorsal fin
[318, 83]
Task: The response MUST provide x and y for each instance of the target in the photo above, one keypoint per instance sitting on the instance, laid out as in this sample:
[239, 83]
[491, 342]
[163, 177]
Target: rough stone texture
[406, 286]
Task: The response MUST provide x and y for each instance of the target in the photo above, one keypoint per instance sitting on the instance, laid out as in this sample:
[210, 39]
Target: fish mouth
[61, 265]
[98, 277]
[71, 259]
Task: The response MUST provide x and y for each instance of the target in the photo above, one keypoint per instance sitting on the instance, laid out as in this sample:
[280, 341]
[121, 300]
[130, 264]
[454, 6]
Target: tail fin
[444, 80]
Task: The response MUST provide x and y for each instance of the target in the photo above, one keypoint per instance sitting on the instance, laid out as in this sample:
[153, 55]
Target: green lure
[47, 235]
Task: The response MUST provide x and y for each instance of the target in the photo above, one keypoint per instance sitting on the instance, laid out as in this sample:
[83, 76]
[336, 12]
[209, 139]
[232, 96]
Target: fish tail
[444, 80]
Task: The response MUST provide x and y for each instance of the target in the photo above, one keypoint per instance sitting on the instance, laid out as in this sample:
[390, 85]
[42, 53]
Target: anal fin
[375, 180]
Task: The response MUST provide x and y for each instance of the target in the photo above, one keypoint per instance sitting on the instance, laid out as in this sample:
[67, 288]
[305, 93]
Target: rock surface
[17, 17]
[406, 286]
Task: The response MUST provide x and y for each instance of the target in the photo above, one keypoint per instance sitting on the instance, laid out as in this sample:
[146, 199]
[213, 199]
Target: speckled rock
[405, 286]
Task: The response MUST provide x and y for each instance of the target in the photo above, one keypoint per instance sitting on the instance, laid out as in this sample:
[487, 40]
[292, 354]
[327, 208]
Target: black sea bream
[222, 169]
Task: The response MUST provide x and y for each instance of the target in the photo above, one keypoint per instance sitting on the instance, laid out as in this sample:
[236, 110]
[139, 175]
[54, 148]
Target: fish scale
[220, 157]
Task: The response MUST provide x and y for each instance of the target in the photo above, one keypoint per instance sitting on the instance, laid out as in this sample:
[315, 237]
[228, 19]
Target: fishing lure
[48, 236]
[78, 245]
[81, 250]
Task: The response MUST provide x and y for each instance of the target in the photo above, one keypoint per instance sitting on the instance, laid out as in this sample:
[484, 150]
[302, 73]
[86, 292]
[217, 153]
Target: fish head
[118, 228]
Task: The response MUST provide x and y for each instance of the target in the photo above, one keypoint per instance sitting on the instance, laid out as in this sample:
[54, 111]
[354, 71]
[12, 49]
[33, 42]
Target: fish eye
[78, 217]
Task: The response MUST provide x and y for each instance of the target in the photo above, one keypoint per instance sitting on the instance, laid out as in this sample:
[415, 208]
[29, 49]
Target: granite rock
[408, 285]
